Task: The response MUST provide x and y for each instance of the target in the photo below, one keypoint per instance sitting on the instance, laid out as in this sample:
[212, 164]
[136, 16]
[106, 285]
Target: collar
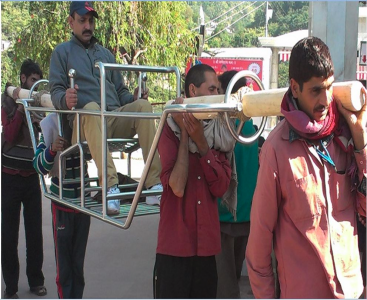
[293, 136]
[93, 41]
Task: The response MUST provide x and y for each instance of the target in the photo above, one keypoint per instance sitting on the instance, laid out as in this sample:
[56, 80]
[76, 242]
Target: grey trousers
[229, 265]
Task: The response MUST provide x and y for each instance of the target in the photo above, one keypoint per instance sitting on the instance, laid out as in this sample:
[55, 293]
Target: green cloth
[247, 164]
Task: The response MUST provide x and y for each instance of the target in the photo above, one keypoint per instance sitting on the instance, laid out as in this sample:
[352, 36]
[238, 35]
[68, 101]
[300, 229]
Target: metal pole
[266, 19]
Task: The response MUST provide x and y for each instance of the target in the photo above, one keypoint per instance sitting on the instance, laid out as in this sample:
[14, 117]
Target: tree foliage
[14, 19]
[136, 32]
[244, 28]
[283, 77]
[156, 33]
[288, 16]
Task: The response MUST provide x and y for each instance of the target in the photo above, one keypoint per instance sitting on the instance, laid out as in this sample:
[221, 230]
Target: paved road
[118, 263]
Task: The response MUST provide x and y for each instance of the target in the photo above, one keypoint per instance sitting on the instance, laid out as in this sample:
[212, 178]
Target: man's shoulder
[7, 101]
[167, 136]
[278, 137]
[63, 46]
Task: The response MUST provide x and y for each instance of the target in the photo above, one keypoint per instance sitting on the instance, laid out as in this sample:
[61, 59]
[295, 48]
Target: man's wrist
[203, 149]
[64, 104]
[53, 153]
[360, 140]
[360, 150]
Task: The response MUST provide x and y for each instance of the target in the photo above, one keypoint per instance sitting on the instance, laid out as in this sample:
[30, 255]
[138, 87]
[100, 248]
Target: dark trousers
[70, 231]
[229, 265]
[185, 277]
[361, 229]
[15, 191]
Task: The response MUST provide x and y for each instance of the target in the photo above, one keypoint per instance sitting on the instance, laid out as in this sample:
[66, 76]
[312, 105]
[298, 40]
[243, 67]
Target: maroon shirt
[11, 130]
[11, 127]
[189, 226]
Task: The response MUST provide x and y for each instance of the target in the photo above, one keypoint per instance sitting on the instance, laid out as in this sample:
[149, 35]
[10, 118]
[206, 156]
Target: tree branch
[140, 51]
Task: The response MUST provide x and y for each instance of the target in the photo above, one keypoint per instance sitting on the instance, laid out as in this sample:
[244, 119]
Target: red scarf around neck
[312, 130]
[303, 125]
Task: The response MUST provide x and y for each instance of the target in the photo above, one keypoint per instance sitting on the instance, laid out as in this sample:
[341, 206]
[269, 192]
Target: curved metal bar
[38, 116]
[236, 135]
[141, 68]
[34, 86]
[104, 114]
[25, 103]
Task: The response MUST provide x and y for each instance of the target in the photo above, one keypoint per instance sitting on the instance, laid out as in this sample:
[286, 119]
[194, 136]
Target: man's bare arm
[357, 124]
[196, 132]
[178, 178]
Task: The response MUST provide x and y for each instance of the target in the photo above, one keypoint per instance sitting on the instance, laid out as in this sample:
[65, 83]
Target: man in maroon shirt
[193, 176]
[20, 185]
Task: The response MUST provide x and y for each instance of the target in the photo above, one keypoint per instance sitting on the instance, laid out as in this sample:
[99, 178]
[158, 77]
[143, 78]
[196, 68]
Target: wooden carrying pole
[265, 103]
[255, 104]
[45, 100]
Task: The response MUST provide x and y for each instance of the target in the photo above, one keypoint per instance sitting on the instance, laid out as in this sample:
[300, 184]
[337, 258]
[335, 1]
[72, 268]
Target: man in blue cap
[84, 12]
[81, 53]
[82, 8]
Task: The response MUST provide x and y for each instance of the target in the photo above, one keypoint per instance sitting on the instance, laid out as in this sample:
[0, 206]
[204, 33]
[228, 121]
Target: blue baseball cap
[82, 8]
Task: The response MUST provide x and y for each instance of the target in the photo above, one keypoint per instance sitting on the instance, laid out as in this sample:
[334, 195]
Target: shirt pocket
[340, 191]
[303, 198]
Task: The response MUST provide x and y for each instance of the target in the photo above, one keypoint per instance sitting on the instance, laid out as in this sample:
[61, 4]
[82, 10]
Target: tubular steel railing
[89, 205]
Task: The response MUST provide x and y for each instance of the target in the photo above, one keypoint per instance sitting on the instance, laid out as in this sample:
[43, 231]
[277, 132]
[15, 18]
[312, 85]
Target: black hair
[226, 77]
[28, 68]
[363, 81]
[310, 57]
[196, 76]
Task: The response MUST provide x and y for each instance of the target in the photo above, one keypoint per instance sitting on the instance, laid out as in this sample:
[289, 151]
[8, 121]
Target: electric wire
[234, 22]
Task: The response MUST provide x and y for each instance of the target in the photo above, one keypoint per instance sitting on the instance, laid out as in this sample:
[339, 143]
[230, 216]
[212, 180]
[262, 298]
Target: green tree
[288, 17]
[283, 80]
[145, 33]
[248, 37]
[14, 19]
[221, 37]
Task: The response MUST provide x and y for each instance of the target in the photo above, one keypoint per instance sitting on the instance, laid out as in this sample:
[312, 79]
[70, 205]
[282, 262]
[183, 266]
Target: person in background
[311, 182]
[20, 187]
[194, 173]
[361, 226]
[70, 227]
[235, 229]
[80, 54]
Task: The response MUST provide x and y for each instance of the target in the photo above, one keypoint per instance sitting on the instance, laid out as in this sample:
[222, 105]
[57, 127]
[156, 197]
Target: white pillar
[336, 23]
[274, 68]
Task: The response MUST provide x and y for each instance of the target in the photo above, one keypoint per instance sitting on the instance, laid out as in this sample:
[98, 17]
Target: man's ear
[295, 88]
[192, 90]
[70, 21]
[23, 79]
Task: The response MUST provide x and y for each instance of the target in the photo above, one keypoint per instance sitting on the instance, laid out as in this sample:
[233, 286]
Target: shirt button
[199, 177]
[361, 162]
[199, 202]
[208, 161]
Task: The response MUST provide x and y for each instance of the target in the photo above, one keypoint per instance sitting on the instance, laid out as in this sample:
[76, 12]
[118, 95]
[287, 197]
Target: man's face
[208, 87]
[27, 82]
[82, 26]
[221, 90]
[315, 97]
